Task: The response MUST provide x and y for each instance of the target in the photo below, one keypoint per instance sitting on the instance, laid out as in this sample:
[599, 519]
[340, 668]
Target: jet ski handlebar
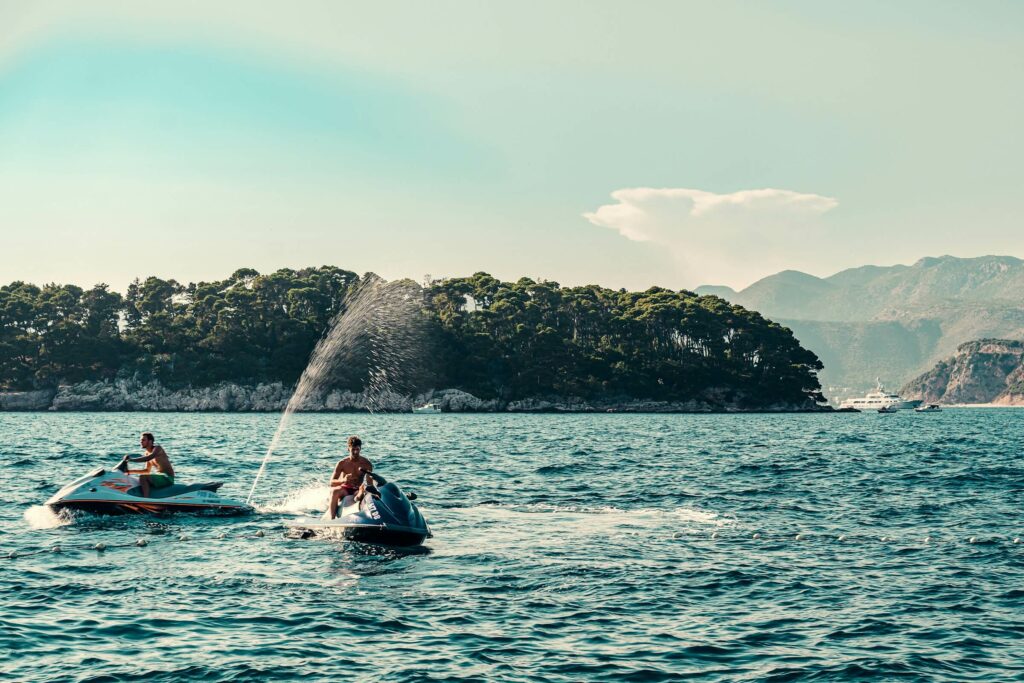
[376, 480]
[373, 476]
[123, 465]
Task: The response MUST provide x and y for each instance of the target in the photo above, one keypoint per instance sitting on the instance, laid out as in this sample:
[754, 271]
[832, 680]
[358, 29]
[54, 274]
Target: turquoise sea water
[566, 548]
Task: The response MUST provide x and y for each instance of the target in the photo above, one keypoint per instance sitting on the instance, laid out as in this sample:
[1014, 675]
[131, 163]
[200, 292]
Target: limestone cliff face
[134, 395]
[983, 371]
[26, 400]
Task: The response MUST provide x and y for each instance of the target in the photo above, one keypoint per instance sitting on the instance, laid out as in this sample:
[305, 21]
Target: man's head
[355, 444]
[147, 440]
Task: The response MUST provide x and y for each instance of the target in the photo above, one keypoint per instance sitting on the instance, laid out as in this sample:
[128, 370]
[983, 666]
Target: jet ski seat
[348, 506]
[175, 489]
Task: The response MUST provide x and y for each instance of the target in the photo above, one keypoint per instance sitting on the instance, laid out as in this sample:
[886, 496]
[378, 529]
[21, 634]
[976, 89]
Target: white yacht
[426, 409]
[879, 398]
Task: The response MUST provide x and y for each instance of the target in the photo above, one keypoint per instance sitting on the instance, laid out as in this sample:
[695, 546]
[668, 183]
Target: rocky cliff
[26, 400]
[983, 371]
[133, 395]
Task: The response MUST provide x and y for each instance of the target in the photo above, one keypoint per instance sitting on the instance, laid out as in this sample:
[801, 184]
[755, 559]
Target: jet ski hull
[384, 536]
[117, 493]
[373, 534]
[145, 506]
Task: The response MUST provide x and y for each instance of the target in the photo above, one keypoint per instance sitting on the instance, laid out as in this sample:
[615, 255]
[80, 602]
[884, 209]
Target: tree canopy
[490, 338]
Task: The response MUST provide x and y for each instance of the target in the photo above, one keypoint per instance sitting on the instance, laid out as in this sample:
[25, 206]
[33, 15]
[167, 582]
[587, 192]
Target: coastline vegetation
[490, 338]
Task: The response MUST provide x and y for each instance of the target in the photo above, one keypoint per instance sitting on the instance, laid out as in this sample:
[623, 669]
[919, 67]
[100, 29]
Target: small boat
[929, 408]
[117, 492]
[385, 516]
[891, 408]
[426, 409]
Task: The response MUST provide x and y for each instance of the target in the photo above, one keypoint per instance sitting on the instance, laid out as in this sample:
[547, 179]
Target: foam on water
[43, 517]
[305, 499]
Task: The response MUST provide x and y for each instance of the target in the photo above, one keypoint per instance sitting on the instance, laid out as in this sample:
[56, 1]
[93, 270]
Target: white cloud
[731, 238]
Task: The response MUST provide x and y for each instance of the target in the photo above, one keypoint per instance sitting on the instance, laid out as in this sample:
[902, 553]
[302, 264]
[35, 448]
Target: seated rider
[348, 475]
[155, 457]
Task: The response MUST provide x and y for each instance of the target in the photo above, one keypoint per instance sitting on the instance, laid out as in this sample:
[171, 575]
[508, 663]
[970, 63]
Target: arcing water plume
[375, 338]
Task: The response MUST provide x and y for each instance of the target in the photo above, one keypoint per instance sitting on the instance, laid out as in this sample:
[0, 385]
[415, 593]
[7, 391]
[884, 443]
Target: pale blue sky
[448, 137]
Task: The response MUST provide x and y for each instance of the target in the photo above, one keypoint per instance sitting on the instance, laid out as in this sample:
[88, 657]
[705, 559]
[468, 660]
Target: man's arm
[335, 481]
[141, 458]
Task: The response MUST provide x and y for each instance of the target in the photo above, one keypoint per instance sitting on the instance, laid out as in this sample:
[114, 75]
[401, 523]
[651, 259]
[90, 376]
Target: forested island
[524, 345]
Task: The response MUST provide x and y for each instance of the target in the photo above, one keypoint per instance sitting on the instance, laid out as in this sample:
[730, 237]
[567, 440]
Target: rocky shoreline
[132, 395]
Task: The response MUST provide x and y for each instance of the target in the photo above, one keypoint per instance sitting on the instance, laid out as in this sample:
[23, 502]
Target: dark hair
[148, 436]
[354, 441]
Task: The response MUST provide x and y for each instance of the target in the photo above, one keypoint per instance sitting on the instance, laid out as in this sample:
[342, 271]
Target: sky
[622, 144]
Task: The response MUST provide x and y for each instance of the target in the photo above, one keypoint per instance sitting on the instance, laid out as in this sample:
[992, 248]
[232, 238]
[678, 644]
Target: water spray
[380, 320]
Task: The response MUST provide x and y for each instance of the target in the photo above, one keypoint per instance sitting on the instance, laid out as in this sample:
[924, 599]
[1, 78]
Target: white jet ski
[117, 492]
[385, 516]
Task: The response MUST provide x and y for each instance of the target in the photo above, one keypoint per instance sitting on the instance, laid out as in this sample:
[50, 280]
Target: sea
[585, 547]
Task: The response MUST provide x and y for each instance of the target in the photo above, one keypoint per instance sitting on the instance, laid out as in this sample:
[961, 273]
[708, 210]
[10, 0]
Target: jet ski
[117, 492]
[384, 516]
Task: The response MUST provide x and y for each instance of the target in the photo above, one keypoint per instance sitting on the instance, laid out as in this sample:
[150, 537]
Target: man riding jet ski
[364, 507]
[379, 513]
[118, 491]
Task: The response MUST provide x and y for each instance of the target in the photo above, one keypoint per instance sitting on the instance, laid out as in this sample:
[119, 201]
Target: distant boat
[879, 398]
[426, 409]
[891, 408]
[930, 408]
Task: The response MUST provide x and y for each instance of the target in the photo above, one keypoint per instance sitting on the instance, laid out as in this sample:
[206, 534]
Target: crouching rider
[155, 459]
[348, 475]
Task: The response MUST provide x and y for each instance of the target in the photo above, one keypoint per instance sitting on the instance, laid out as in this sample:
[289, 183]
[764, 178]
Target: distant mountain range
[891, 322]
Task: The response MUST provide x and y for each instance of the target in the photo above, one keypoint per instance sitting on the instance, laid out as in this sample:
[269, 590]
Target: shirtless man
[347, 475]
[156, 457]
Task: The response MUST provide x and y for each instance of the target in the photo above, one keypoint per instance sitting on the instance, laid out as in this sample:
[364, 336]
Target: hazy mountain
[891, 322]
[860, 294]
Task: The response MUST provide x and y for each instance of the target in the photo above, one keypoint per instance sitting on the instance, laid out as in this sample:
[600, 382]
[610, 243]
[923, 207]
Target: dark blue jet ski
[384, 516]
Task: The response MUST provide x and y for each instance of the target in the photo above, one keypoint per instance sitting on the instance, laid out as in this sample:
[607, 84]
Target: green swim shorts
[160, 480]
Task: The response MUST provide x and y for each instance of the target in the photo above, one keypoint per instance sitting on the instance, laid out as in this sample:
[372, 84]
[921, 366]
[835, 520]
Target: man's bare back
[155, 459]
[160, 461]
